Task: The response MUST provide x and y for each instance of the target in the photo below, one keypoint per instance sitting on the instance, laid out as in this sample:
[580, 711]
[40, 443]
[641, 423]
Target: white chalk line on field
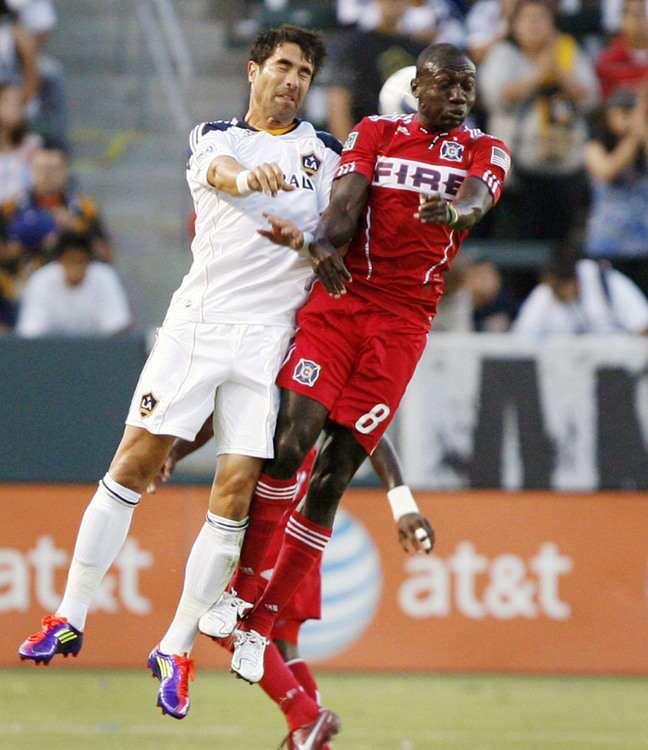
[442, 736]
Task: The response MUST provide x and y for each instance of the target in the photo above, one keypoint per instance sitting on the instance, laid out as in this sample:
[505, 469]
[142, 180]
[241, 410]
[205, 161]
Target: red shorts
[355, 359]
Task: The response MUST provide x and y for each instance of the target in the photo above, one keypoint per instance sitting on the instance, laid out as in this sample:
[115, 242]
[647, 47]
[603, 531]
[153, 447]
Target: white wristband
[402, 501]
[243, 182]
[303, 250]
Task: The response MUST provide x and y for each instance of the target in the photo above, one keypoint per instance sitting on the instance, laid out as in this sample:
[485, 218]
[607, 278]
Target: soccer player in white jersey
[224, 337]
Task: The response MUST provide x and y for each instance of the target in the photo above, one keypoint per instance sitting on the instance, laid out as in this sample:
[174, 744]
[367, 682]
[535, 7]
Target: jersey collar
[242, 123]
[436, 134]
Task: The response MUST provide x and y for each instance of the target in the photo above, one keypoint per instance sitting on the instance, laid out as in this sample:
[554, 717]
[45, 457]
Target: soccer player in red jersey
[407, 192]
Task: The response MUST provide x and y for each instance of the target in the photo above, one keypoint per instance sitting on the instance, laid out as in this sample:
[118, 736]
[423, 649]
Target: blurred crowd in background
[56, 274]
[565, 84]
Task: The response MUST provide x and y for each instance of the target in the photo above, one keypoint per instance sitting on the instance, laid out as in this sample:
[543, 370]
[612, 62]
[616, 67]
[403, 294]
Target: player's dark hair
[72, 241]
[442, 56]
[310, 43]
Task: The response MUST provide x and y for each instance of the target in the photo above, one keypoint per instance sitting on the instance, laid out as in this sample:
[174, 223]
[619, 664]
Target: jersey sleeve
[491, 163]
[332, 152]
[360, 149]
[207, 141]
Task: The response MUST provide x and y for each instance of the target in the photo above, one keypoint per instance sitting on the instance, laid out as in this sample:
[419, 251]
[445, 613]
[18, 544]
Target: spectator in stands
[537, 89]
[9, 266]
[38, 18]
[52, 205]
[18, 54]
[584, 296]
[426, 20]
[488, 22]
[454, 313]
[475, 299]
[617, 161]
[73, 295]
[17, 145]
[493, 308]
[624, 64]
[361, 61]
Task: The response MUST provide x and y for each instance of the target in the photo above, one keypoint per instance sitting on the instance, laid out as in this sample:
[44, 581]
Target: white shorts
[230, 369]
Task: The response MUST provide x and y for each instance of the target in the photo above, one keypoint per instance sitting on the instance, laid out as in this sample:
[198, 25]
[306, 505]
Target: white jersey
[238, 276]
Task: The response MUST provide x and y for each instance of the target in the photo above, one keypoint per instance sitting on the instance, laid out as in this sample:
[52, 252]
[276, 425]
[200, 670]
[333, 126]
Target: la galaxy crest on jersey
[311, 164]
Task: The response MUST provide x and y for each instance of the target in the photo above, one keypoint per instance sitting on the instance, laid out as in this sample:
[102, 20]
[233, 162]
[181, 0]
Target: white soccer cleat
[220, 621]
[249, 651]
[316, 735]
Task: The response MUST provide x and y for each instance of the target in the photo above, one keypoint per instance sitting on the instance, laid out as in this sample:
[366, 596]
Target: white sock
[209, 568]
[102, 533]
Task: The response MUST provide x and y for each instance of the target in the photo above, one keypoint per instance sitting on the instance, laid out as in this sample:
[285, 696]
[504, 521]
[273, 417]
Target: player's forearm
[468, 214]
[386, 465]
[339, 222]
[183, 448]
[335, 231]
[223, 174]
[471, 204]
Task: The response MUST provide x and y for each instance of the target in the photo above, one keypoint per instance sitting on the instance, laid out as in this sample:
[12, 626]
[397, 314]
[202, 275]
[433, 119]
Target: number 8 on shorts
[369, 421]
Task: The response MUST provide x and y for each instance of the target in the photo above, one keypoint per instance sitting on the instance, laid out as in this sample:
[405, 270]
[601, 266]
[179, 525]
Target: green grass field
[105, 710]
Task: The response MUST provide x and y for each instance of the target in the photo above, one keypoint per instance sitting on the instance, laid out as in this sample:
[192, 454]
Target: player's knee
[132, 472]
[329, 482]
[291, 448]
[138, 458]
[232, 493]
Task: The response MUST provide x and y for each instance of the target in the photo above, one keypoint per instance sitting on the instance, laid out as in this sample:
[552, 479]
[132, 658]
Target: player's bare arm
[227, 175]
[472, 203]
[415, 533]
[335, 229]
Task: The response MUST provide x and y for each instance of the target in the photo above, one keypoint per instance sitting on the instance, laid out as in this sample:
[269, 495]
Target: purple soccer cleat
[56, 636]
[174, 673]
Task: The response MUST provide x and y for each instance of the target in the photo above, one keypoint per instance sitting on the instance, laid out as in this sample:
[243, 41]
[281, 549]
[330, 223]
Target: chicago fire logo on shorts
[311, 164]
[306, 372]
[451, 151]
[147, 404]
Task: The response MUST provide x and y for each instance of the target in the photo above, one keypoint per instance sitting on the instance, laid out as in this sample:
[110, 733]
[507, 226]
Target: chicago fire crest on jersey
[306, 372]
[451, 151]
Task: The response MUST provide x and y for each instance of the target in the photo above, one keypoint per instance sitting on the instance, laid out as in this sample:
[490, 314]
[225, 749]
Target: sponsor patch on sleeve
[500, 158]
[350, 141]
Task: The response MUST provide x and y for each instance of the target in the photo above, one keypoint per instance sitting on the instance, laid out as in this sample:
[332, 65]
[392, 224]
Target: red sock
[272, 498]
[305, 678]
[281, 685]
[303, 545]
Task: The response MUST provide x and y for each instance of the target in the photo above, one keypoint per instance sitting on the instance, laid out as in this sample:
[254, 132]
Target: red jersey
[396, 261]
[619, 66]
